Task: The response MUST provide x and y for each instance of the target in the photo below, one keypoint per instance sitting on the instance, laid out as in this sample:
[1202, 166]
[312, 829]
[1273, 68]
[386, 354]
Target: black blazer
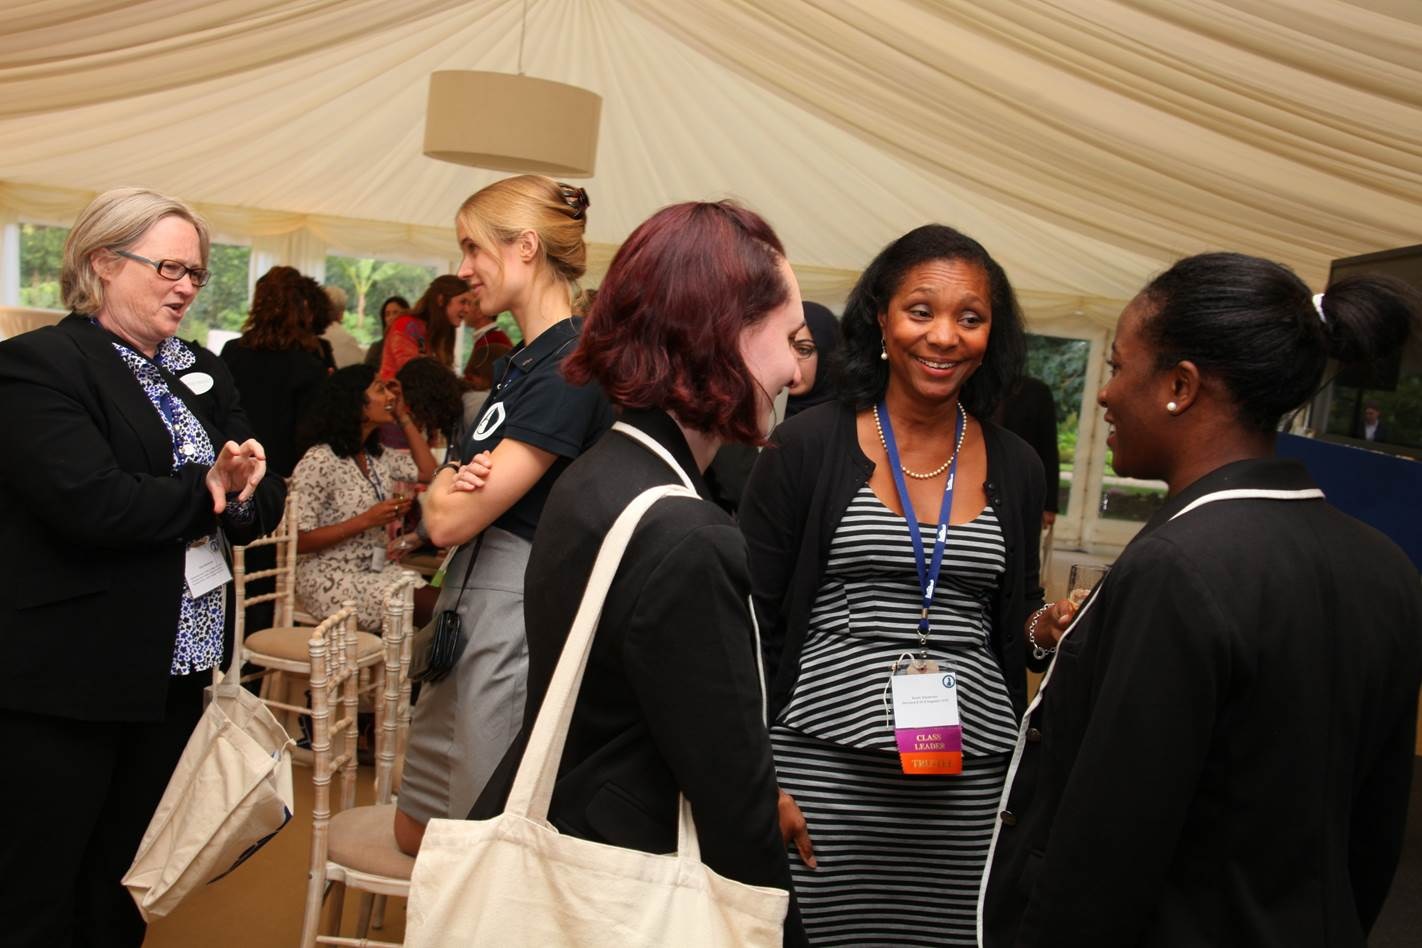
[1222, 751]
[93, 524]
[277, 387]
[671, 697]
[798, 491]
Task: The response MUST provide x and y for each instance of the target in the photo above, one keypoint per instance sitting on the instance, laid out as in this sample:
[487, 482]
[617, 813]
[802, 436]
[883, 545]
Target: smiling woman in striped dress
[865, 566]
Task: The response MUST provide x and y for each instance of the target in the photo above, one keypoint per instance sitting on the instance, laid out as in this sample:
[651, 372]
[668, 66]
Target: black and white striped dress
[899, 857]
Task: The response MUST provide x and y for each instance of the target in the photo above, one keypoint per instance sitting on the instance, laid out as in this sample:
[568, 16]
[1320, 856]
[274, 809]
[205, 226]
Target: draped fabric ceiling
[1086, 143]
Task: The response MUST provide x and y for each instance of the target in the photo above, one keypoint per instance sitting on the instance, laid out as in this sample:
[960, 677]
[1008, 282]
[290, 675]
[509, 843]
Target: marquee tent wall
[1086, 143]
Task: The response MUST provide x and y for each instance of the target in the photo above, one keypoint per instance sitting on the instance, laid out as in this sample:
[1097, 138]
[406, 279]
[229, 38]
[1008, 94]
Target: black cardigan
[797, 493]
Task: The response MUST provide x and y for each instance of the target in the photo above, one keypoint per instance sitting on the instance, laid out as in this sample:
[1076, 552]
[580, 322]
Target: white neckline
[655, 446]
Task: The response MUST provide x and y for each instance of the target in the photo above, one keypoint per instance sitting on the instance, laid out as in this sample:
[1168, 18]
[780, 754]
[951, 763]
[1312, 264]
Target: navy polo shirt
[534, 404]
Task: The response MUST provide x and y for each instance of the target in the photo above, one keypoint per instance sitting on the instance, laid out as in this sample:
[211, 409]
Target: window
[1061, 363]
[41, 256]
[368, 283]
[223, 303]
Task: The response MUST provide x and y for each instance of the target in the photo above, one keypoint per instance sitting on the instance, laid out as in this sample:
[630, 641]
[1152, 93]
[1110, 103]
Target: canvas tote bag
[516, 882]
[230, 793]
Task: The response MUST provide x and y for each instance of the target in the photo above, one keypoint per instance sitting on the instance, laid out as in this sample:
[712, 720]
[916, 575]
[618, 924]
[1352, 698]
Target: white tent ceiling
[1086, 144]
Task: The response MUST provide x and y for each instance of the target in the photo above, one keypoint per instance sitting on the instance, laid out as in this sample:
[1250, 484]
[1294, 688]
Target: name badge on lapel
[199, 383]
[206, 568]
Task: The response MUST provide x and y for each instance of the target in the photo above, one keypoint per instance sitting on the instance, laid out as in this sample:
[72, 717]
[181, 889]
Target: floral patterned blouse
[329, 490]
[200, 620]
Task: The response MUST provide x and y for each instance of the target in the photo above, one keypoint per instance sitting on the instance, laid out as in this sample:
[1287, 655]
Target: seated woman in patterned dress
[344, 483]
[851, 593]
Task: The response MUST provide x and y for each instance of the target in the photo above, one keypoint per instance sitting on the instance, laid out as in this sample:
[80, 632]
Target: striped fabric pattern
[899, 857]
[866, 615]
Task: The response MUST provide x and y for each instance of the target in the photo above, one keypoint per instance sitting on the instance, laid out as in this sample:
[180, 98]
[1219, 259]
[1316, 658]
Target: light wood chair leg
[363, 918]
[315, 901]
[377, 918]
[338, 904]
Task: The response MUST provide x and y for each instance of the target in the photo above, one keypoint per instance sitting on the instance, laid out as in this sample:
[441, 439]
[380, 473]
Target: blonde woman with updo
[522, 245]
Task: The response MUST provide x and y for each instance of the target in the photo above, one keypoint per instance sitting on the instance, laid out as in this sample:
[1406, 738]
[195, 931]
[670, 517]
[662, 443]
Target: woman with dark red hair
[690, 336]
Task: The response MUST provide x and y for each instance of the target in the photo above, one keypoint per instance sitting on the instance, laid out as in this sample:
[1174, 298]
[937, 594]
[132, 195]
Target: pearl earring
[883, 351]
[1172, 407]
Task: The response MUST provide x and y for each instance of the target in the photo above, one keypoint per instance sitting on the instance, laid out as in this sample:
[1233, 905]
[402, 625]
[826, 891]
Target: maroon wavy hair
[664, 331]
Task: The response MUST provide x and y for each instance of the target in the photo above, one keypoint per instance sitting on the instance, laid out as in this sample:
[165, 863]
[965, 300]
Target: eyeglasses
[172, 269]
[803, 350]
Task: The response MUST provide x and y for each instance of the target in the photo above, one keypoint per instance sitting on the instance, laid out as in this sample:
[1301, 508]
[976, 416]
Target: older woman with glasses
[129, 469]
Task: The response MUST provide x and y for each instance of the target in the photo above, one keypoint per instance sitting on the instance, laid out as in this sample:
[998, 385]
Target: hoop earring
[1172, 407]
[883, 351]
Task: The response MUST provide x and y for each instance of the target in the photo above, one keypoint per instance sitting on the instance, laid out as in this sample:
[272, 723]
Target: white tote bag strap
[533, 784]
[651, 444]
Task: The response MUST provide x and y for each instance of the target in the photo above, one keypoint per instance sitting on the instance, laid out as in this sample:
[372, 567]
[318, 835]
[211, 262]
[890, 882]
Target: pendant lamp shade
[512, 123]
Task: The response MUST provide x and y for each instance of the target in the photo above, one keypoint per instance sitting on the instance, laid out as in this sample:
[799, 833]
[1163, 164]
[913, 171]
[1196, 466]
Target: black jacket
[1221, 753]
[93, 524]
[1031, 414]
[671, 696]
[277, 387]
[798, 491]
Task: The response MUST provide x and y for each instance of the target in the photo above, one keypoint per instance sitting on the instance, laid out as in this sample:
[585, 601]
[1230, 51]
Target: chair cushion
[290, 643]
[363, 838]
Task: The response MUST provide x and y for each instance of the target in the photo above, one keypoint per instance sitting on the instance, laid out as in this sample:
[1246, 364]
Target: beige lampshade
[512, 123]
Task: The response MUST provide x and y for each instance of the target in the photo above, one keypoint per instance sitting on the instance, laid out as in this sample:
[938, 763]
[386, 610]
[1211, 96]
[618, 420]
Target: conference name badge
[205, 568]
[927, 729]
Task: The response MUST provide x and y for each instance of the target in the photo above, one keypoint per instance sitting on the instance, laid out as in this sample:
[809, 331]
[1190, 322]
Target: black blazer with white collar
[93, 524]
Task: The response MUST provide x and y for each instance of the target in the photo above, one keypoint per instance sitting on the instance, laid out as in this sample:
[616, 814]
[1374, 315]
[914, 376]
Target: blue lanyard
[927, 571]
[371, 475]
[167, 402]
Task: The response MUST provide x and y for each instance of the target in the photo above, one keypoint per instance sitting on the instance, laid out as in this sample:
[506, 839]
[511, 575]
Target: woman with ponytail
[522, 241]
[1221, 750]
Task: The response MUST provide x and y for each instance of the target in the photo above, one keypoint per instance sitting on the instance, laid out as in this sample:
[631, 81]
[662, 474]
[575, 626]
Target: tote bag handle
[532, 789]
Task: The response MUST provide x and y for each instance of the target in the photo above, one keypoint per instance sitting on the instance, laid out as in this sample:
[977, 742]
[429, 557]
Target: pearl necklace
[942, 467]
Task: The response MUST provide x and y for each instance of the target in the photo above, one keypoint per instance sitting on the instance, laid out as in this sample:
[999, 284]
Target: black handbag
[437, 646]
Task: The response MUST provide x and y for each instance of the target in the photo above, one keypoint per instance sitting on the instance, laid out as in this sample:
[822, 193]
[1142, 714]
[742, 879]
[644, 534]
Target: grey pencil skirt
[462, 725]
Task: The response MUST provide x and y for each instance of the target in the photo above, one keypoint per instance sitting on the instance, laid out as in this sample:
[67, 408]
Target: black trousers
[76, 803]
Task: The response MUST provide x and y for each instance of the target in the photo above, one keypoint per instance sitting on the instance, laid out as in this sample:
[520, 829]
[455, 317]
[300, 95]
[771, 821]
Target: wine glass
[1083, 578]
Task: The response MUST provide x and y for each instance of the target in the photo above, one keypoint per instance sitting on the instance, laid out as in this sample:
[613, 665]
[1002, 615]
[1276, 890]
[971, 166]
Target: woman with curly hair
[434, 396]
[278, 363]
[345, 495]
[428, 329]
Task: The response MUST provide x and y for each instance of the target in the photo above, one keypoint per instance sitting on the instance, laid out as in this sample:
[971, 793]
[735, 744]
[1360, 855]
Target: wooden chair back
[335, 706]
[283, 593]
[396, 635]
